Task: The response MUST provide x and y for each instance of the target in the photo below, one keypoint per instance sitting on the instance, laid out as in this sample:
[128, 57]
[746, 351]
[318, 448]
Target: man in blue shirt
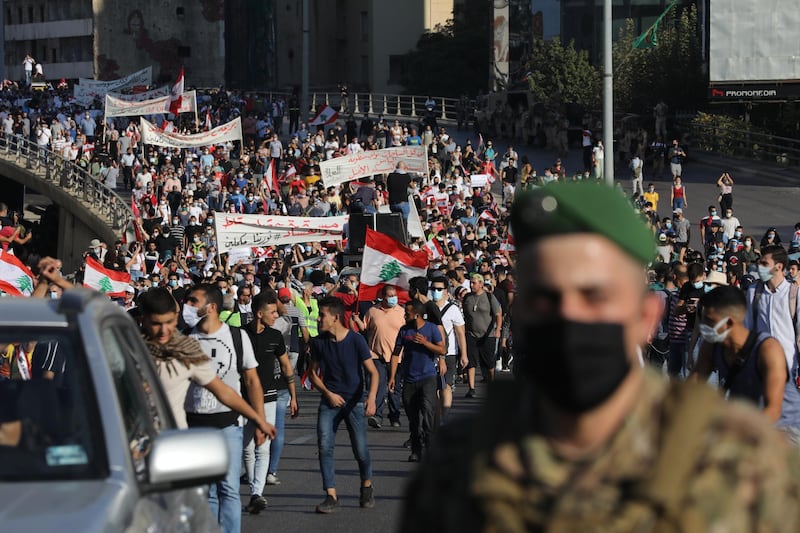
[337, 358]
[422, 345]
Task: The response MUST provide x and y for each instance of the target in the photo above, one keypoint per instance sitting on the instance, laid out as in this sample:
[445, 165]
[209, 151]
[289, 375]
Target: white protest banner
[237, 231]
[414, 223]
[141, 97]
[140, 77]
[363, 164]
[119, 108]
[479, 180]
[151, 134]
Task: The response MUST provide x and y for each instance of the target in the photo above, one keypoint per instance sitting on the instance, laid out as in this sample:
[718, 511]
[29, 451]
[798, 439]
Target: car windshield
[47, 408]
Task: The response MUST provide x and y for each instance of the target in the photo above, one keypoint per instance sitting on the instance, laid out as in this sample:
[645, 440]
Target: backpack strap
[688, 411]
[758, 291]
[236, 335]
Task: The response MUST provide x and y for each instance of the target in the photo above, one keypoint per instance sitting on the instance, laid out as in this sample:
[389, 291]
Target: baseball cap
[284, 293]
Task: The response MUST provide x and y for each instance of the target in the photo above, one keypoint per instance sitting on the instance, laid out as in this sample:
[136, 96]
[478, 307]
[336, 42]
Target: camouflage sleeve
[748, 479]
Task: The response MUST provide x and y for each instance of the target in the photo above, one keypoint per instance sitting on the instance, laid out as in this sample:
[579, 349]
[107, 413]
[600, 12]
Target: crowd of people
[403, 353]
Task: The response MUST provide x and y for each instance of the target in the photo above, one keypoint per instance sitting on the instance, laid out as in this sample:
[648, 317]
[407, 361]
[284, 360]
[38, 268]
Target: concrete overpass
[87, 209]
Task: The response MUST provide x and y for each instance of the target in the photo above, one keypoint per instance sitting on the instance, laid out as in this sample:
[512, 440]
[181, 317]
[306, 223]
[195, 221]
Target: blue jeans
[257, 458]
[223, 496]
[276, 445]
[328, 421]
[404, 208]
[384, 397]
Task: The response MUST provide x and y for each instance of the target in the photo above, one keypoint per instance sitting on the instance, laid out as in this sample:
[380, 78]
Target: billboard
[754, 41]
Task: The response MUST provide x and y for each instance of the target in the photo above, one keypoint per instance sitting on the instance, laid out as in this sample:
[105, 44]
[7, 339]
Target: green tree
[564, 71]
[671, 72]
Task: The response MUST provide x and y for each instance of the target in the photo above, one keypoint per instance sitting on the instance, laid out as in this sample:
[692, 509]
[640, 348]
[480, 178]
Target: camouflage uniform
[497, 476]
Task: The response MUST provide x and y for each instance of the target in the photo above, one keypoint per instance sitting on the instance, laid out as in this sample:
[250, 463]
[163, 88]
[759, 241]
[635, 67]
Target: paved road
[764, 194]
[291, 504]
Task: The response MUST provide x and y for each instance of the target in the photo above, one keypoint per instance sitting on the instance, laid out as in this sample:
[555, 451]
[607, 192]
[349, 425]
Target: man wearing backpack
[484, 320]
[772, 309]
[455, 342]
[231, 353]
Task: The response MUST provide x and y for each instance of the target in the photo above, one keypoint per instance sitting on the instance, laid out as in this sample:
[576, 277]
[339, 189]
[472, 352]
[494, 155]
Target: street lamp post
[608, 96]
[304, 64]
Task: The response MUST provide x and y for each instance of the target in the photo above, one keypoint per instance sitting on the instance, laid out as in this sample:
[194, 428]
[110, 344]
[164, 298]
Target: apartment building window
[19, 16]
[30, 13]
[53, 55]
[41, 13]
[364, 26]
[8, 16]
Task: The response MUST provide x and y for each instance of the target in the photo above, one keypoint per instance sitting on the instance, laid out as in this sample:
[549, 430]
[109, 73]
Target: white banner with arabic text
[363, 164]
[119, 108]
[140, 77]
[238, 231]
[151, 134]
[141, 97]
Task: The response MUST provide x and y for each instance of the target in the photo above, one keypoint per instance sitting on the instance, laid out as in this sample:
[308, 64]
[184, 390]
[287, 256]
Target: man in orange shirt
[382, 323]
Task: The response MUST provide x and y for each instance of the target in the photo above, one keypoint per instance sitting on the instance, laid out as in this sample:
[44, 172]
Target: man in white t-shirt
[456, 343]
[231, 354]
[180, 360]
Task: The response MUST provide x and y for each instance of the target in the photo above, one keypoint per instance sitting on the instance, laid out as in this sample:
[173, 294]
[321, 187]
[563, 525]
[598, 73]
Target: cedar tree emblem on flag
[390, 271]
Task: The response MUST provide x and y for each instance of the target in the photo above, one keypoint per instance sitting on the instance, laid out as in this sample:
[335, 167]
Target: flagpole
[304, 64]
[608, 96]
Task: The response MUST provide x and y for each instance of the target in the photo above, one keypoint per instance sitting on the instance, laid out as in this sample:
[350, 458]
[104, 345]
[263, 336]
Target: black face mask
[575, 364]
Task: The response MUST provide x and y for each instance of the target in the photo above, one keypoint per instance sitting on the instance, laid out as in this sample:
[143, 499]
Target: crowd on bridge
[300, 304]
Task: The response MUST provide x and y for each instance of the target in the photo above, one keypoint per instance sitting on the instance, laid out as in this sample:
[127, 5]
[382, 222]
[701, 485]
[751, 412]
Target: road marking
[303, 439]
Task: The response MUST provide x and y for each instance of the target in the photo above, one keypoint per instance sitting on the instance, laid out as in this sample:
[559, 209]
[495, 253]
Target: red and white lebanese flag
[271, 177]
[388, 262]
[487, 216]
[176, 95]
[157, 268]
[434, 249]
[508, 245]
[15, 278]
[208, 121]
[110, 282]
[325, 115]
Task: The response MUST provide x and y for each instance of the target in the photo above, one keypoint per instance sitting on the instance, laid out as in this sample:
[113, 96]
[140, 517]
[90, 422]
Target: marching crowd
[294, 310]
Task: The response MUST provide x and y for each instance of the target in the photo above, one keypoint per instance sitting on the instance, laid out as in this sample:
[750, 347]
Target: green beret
[581, 207]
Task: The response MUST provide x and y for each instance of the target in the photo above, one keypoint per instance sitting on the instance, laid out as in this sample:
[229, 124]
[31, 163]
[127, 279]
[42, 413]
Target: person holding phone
[689, 295]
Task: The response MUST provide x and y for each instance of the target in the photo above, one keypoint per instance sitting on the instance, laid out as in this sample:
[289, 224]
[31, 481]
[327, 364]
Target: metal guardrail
[744, 144]
[388, 105]
[68, 176]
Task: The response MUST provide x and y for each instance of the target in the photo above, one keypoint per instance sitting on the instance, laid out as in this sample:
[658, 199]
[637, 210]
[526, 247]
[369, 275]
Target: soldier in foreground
[586, 439]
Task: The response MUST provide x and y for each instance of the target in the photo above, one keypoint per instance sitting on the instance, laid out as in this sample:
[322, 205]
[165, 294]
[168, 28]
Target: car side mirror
[186, 458]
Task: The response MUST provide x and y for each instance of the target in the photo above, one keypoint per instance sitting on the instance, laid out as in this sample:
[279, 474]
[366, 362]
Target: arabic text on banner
[363, 164]
[120, 108]
[238, 231]
[151, 134]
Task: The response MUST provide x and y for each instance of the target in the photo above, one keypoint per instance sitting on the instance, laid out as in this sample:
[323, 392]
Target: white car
[87, 439]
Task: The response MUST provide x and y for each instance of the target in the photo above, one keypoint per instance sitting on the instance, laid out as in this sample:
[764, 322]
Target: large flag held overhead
[176, 95]
[15, 277]
[112, 283]
[388, 262]
[325, 115]
[649, 39]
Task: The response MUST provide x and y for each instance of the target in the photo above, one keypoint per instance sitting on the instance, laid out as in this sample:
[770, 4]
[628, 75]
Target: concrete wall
[132, 35]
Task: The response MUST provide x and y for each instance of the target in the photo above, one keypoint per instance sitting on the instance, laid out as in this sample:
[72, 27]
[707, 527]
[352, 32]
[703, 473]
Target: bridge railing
[77, 182]
[389, 105]
[744, 144]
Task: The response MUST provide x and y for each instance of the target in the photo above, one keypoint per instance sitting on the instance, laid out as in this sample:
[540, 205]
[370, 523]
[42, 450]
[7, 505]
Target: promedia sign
[755, 92]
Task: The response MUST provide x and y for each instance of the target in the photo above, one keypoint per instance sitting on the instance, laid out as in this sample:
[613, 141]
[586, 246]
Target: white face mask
[765, 273]
[711, 335]
[191, 316]
[246, 308]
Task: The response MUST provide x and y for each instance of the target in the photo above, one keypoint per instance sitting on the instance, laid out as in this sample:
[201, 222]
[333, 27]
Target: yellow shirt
[652, 197]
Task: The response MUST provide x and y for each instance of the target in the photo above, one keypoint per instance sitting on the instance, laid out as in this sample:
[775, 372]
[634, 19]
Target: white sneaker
[272, 479]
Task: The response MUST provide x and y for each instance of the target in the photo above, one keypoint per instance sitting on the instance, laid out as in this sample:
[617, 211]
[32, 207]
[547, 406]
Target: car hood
[90, 506]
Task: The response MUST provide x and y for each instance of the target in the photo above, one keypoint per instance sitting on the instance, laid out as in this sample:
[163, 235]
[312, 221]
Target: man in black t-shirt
[273, 363]
[397, 185]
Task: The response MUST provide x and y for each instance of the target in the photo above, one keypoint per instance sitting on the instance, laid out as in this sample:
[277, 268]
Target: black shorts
[481, 351]
[450, 376]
